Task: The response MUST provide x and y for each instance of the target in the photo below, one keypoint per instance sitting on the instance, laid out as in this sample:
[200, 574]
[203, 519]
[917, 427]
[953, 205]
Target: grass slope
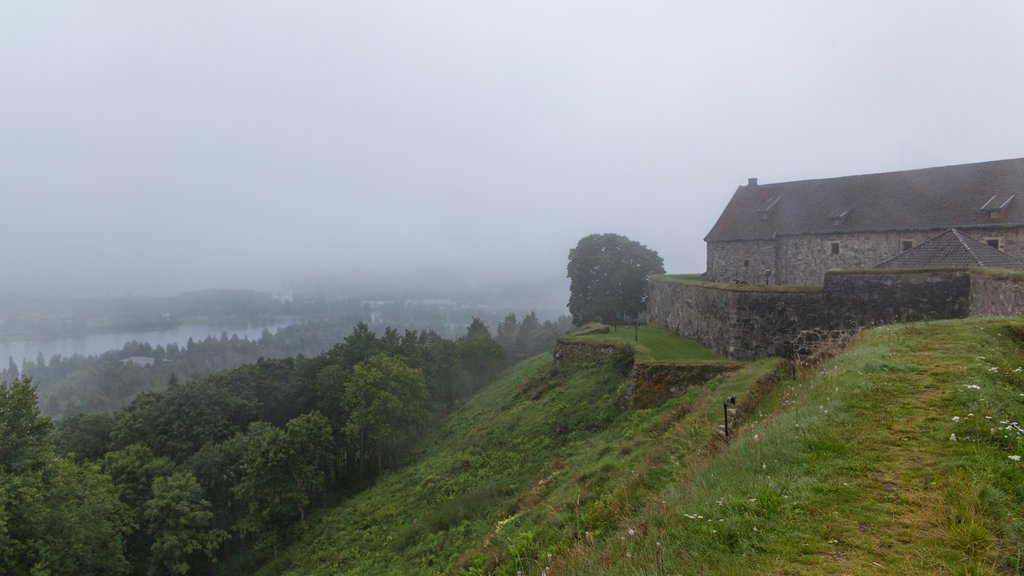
[900, 457]
[651, 343]
[526, 468]
[851, 469]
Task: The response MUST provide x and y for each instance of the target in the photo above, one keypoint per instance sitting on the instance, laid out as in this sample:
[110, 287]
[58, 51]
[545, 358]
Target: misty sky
[156, 146]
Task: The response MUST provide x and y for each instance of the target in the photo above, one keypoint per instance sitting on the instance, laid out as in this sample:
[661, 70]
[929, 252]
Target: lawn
[651, 343]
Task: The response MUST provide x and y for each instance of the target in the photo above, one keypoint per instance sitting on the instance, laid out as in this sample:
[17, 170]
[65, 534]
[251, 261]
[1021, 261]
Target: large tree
[608, 278]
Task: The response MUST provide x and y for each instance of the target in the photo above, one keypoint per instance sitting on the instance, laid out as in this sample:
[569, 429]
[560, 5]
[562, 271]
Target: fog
[153, 147]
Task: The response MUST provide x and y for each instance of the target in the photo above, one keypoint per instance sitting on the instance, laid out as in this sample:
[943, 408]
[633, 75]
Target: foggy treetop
[157, 147]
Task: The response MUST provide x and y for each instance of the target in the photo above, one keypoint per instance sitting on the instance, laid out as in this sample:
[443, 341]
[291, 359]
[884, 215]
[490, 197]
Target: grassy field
[651, 343]
[902, 456]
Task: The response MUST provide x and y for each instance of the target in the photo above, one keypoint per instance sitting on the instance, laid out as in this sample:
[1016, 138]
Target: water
[94, 344]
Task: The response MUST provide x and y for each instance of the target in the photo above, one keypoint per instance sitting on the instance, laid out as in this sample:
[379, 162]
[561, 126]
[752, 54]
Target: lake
[99, 343]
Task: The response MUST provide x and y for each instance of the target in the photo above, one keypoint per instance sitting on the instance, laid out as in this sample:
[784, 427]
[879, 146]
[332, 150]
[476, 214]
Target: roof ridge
[763, 184]
[970, 249]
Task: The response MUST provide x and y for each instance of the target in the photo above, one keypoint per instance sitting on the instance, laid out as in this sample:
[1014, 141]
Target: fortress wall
[995, 297]
[869, 299]
[749, 323]
[705, 315]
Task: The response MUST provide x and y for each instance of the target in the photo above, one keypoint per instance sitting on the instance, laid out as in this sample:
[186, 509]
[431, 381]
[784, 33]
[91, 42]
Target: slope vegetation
[899, 457]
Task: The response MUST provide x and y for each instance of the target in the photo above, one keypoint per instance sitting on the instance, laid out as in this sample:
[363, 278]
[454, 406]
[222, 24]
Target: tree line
[229, 463]
[102, 383]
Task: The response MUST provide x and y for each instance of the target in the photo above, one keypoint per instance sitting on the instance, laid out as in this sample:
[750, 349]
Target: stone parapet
[746, 322]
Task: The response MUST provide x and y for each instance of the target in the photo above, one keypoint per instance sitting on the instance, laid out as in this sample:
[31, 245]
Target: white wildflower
[1015, 457]
[956, 418]
[952, 437]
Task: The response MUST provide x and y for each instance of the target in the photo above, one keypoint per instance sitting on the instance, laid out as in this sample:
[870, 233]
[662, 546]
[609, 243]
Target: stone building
[952, 249]
[793, 232]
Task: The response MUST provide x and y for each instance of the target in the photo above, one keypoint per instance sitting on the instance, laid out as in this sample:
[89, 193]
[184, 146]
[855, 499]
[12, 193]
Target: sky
[152, 147]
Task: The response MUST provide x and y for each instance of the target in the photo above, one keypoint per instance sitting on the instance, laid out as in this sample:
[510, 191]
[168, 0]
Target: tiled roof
[963, 196]
[952, 248]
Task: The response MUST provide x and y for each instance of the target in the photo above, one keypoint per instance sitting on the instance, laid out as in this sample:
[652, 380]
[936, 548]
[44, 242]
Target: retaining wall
[743, 322]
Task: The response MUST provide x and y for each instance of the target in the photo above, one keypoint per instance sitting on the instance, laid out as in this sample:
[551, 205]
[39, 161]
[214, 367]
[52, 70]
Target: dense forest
[78, 384]
[229, 464]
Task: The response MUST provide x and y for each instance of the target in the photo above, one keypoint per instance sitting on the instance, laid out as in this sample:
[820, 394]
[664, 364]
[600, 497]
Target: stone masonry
[745, 322]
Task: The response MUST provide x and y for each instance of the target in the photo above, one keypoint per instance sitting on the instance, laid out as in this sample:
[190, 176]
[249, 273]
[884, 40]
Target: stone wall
[995, 297]
[571, 352]
[651, 383]
[742, 322]
[740, 261]
[804, 259]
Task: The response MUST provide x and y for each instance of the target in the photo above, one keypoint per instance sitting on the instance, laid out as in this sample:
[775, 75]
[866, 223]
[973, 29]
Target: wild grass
[650, 343]
[513, 476]
[855, 470]
[893, 458]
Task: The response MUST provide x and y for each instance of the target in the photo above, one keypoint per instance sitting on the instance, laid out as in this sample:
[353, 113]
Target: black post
[725, 412]
[636, 332]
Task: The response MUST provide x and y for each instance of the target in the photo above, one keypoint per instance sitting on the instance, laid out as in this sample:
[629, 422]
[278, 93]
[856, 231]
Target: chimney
[751, 181]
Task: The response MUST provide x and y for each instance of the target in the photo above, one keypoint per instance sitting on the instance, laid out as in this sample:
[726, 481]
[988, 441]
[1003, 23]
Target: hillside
[900, 456]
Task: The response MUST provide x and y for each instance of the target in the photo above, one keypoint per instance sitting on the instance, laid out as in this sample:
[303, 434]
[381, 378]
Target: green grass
[1016, 276]
[527, 467]
[697, 280]
[849, 468]
[852, 470]
[653, 344]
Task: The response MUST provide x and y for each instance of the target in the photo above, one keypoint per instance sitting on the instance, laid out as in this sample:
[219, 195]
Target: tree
[283, 471]
[178, 521]
[56, 517]
[12, 369]
[387, 404]
[84, 525]
[608, 278]
[480, 357]
[24, 433]
[87, 436]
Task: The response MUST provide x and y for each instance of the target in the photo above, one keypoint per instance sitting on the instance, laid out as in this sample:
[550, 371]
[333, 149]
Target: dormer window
[995, 207]
[906, 245]
[839, 214]
[767, 207]
[993, 242]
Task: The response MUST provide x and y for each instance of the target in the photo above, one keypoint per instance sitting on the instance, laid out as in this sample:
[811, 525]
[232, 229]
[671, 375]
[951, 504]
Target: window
[834, 247]
[993, 242]
[906, 245]
[746, 263]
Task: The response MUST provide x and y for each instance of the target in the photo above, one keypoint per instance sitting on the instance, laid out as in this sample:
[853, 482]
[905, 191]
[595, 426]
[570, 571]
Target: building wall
[804, 259]
[742, 261]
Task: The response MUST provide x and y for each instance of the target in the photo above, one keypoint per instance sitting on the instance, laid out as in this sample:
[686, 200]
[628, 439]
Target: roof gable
[952, 248]
[966, 195]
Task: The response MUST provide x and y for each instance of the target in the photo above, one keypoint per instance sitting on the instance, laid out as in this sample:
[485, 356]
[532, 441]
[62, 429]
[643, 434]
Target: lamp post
[725, 412]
